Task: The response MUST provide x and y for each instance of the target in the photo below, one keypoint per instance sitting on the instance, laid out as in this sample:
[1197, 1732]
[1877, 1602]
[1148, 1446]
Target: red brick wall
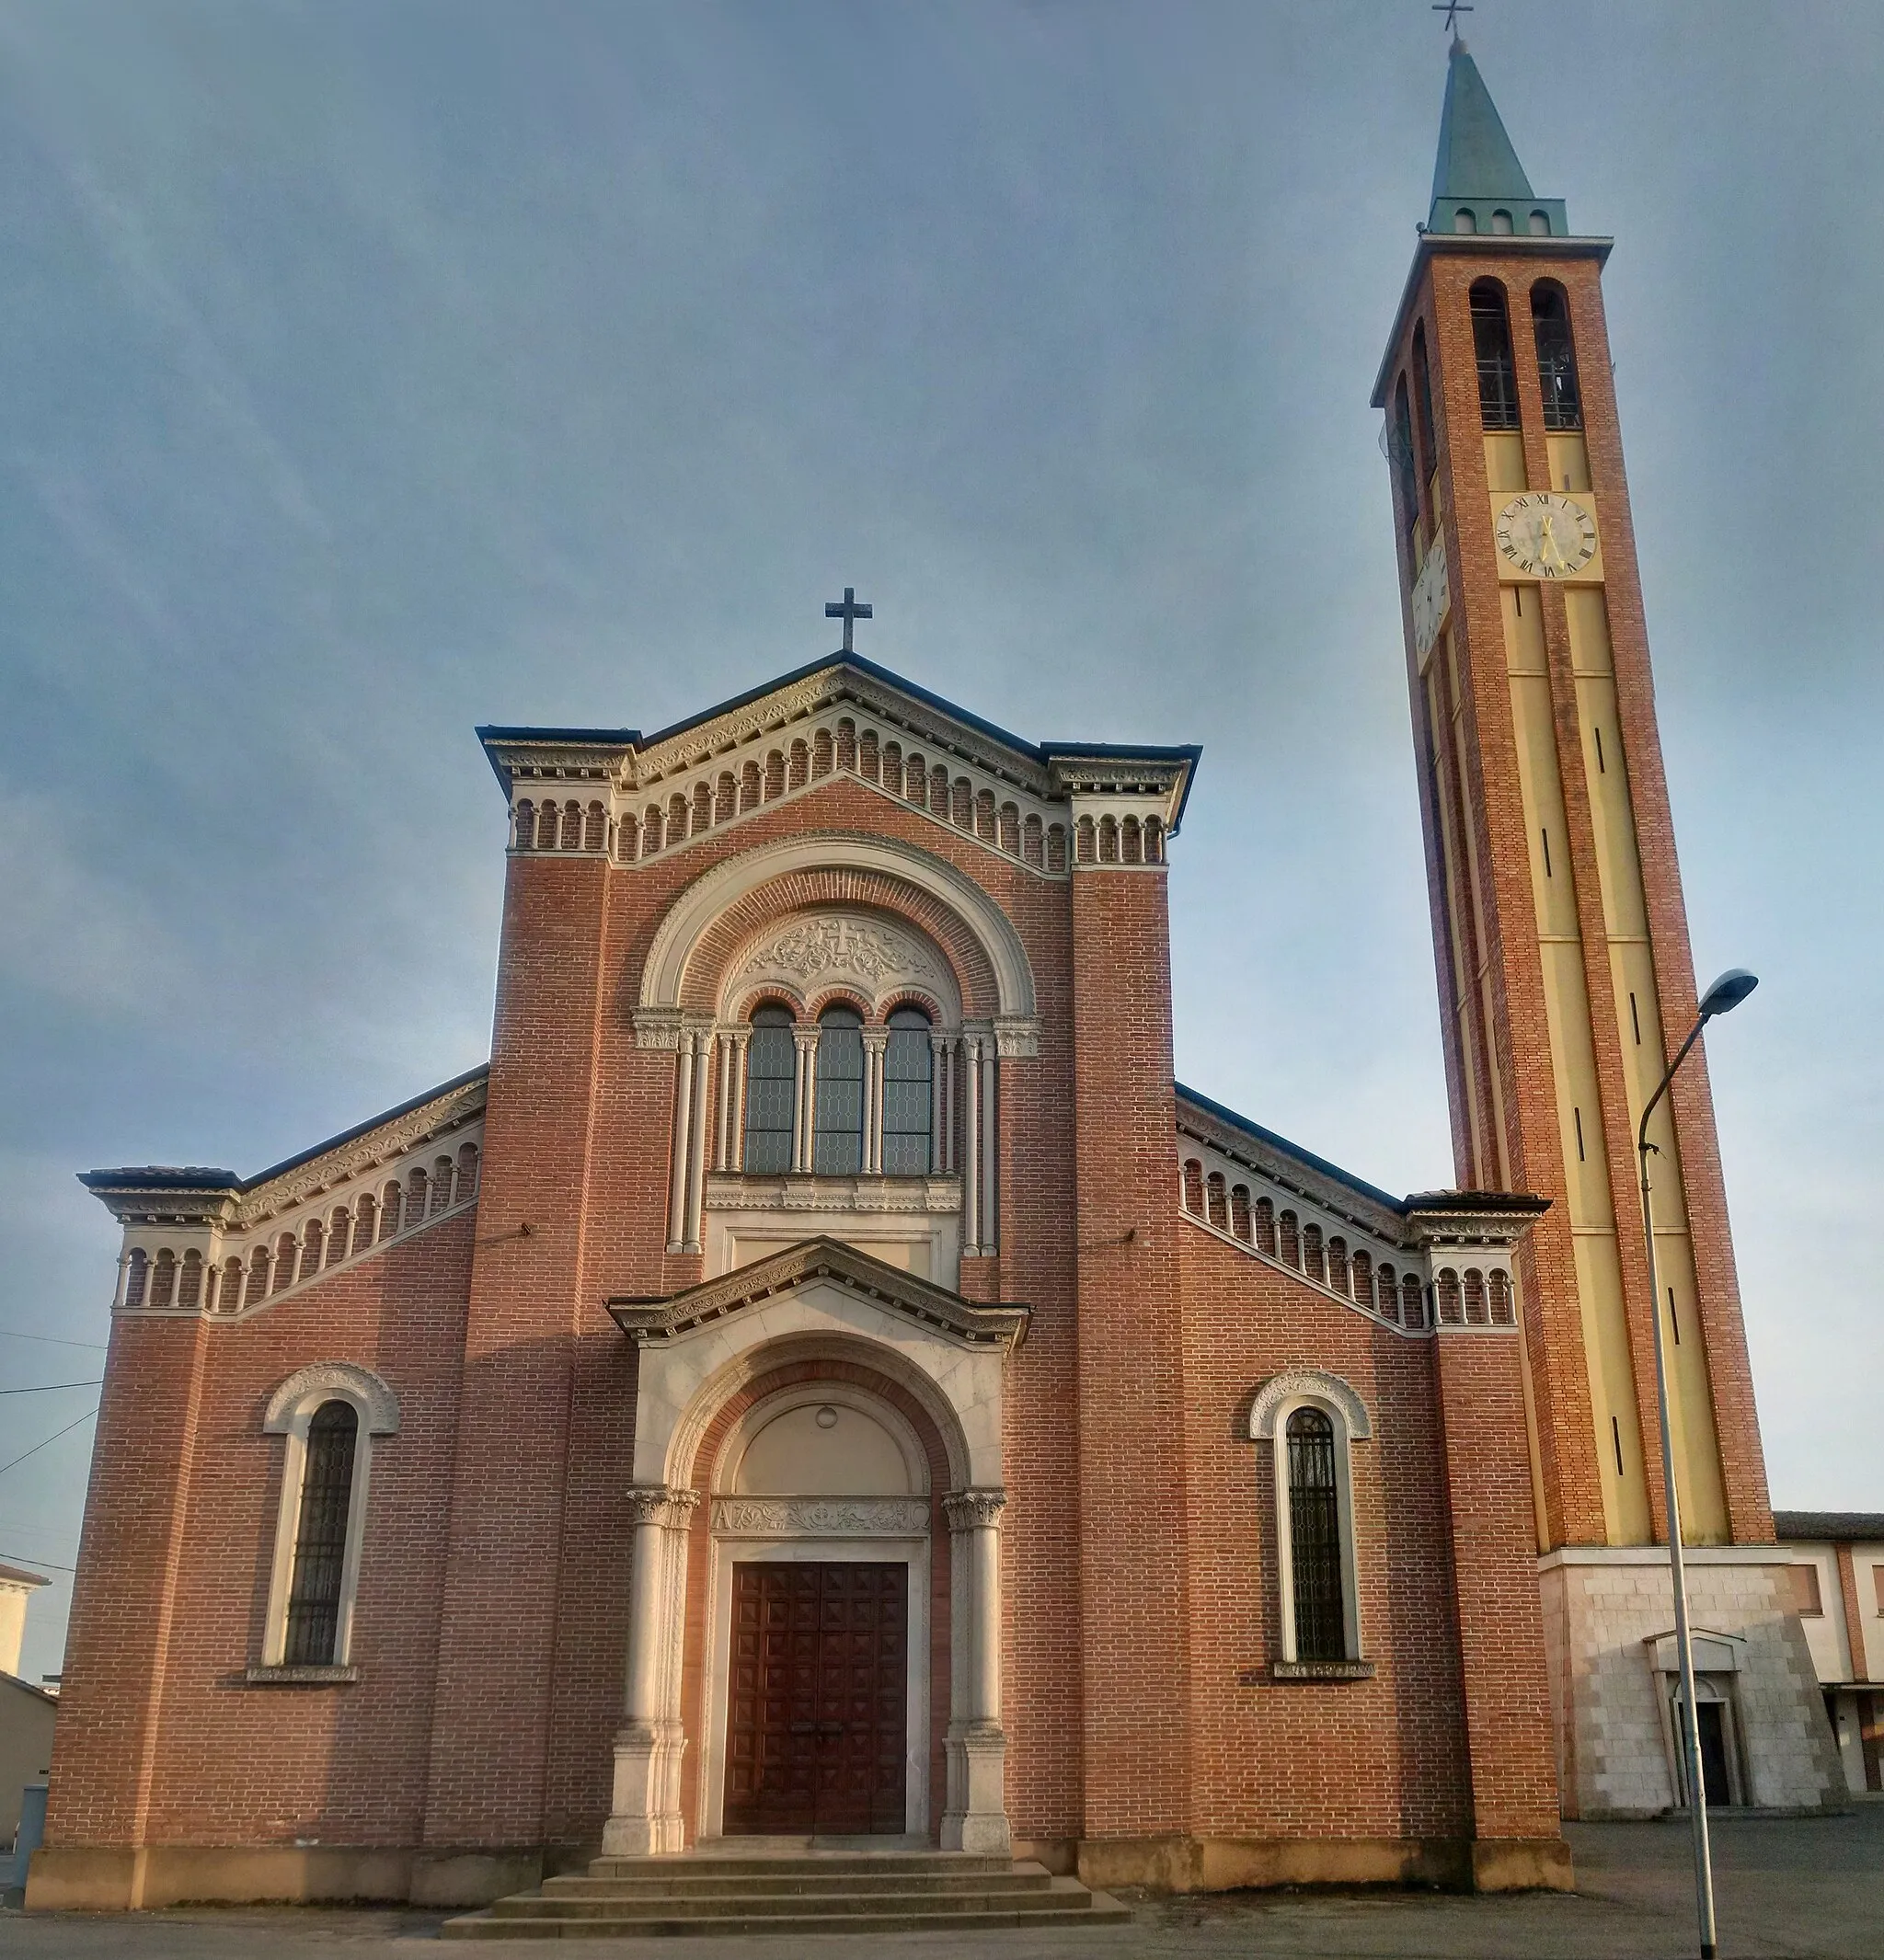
[1135, 1576]
[1137, 1537]
[160, 1739]
[1486, 1483]
[1381, 1758]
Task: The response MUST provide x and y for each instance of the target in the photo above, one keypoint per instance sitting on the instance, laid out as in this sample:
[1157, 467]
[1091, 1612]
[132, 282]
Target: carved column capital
[661, 1504]
[969, 1510]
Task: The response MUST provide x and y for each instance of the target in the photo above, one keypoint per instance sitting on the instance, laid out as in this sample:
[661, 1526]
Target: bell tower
[1564, 964]
[1558, 925]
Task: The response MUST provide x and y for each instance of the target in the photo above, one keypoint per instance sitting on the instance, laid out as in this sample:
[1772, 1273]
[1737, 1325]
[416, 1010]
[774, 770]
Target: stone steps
[1015, 1878]
[800, 1897]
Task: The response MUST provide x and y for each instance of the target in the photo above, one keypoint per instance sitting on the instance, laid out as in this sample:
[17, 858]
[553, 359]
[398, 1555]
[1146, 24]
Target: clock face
[1545, 534]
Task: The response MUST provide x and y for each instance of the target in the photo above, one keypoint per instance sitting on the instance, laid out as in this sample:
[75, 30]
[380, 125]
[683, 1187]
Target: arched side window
[908, 1094]
[1311, 1420]
[771, 1085]
[329, 1415]
[838, 1125]
[313, 1627]
[1491, 342]
[1422, 401]
[1556, 357]
[1405, 463]
[1314, 1539]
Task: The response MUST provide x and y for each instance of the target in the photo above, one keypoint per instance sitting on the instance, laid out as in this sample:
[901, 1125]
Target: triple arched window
[850, 1098]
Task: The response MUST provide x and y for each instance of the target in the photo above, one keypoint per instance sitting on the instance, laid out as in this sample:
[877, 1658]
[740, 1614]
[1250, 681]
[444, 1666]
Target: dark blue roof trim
[1293, 1150]
[160, 1177]
[1040, 752]
[862, 666]
[1865, 1526]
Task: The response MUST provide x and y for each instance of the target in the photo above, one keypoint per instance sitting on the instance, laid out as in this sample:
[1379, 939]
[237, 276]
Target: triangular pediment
[828, 1261]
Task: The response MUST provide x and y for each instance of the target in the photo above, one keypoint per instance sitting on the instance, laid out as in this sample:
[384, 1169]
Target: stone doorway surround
[820, 1301]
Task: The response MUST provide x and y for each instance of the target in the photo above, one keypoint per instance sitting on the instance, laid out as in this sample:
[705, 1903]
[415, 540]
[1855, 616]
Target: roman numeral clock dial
[1545, 535]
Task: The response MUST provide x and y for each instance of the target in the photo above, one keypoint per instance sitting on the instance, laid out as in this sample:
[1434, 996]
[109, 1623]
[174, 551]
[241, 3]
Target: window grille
[908, 1092]
[1491, 340]
[320, 1537]
[1314, 1539]
[772, 1066]
[1557, 359]
[837, 1130]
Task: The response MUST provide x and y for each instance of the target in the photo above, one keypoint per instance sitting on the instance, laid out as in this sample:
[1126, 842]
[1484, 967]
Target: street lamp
[1727, 991]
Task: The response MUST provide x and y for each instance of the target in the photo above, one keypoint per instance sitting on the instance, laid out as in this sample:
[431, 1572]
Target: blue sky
[371, 370]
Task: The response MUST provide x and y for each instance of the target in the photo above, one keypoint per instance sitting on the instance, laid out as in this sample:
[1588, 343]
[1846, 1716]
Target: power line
[51, 1388]
[52, 1439]
[45, 1562]
[51, 1340]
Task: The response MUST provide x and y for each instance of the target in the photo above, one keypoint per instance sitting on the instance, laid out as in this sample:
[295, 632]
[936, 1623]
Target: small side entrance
[817, 1699]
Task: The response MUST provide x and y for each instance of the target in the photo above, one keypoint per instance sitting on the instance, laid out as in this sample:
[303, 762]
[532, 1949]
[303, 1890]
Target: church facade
[825, 1378]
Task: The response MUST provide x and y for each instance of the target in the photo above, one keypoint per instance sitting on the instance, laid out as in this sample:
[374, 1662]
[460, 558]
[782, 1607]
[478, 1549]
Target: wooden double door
[817, 1699]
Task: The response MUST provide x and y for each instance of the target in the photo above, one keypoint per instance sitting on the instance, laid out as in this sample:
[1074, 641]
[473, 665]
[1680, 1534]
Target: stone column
[938, 1070]
[972, 1146]
[722, 1140]
[990, 1235]
[683, 1133]
[805, 1091]
[696, 1143]
[975, 1818]
[876, 1045]
[736, 1124]
[648, 1747]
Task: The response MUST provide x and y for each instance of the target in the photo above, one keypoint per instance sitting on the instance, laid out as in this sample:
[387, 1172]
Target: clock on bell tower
[1558, 917]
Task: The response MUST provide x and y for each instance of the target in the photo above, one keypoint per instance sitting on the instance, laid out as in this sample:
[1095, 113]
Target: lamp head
[1729, 990]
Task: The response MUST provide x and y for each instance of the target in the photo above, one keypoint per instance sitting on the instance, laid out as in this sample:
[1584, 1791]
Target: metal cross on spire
[1452, 9]
[849, 611]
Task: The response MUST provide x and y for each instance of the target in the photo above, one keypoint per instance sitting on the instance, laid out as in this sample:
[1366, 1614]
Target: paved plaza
[1809, 1888]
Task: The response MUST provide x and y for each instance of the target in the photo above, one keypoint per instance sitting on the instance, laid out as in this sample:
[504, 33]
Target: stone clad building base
[1179, 1862]
[1608, 1620]
[119, 1878]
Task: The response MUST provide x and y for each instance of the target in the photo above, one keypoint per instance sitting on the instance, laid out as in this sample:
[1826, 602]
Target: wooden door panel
[816, 1698]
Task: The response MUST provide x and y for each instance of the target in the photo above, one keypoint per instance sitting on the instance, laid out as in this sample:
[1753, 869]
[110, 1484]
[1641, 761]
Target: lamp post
[1727, 991]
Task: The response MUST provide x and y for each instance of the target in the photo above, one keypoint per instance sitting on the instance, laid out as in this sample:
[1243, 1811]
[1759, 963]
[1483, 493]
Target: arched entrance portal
[821, 1628]
[815, 1609]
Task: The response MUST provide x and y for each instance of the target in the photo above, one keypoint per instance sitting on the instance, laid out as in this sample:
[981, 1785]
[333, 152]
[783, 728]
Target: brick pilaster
[1486, 1473]
[1133, 1559]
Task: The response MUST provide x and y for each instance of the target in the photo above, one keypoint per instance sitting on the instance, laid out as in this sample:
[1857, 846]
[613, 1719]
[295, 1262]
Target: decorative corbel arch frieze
[1295, 1383]
[659, 1011]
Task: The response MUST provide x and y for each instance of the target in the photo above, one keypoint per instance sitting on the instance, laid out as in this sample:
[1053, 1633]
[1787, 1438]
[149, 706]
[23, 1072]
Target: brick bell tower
[1564, 964]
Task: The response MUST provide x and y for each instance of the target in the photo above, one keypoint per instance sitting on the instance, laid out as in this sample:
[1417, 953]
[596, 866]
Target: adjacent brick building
[825, 1377]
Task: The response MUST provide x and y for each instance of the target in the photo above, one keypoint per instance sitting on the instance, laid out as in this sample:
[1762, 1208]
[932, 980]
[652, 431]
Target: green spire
[1478, 182]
